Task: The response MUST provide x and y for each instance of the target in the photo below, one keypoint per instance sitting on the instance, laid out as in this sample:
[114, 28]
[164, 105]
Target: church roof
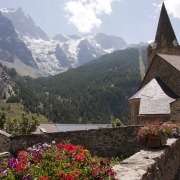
[155, 98]
[165, 32]
[172, 59]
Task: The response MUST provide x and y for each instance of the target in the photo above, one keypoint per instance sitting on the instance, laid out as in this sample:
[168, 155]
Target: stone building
[158, 98]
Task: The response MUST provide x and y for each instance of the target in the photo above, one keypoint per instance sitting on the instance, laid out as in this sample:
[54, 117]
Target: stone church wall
[169, 51]
[175, 111]
[146, 119]
[161, 68]
[134, 110]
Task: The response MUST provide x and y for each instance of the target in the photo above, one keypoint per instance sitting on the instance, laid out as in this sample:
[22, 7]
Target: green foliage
[93, 92]
[2, 120]
[17, 126]
[24, 92]
[12, 72]
[144, 57]
[13, 99]
[116, 122]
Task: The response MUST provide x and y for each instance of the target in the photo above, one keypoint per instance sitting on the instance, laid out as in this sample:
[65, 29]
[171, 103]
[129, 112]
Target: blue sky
[134, 20]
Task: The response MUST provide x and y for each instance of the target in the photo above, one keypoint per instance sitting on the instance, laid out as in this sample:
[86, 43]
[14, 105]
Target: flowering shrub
[155, 129]
[56, 161]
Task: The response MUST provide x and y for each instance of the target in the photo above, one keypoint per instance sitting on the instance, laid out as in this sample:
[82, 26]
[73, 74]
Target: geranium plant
[156, 130]
[62, 161]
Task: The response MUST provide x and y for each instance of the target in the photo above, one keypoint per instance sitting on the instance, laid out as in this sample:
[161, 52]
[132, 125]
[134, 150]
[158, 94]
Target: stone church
[158, 98]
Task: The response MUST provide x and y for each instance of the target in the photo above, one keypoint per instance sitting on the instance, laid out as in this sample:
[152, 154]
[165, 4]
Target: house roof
[46, 128]
[79, 127]
[52, 128]
[172, 59]
[155, 97]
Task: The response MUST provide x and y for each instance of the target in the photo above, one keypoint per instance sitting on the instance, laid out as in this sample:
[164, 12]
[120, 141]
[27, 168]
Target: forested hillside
[94, 92]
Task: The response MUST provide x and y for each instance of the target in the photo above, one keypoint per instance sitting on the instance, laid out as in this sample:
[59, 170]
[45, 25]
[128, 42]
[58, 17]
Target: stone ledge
[5, 134]
[4, 154]
[161, 164]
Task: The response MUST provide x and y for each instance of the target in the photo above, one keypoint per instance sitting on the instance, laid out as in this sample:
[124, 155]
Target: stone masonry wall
[109, 142]
[150, 118]
[153, 164]
[175, 110]
[169, 51]
[4, 141]
[134, 110]
[164, 70]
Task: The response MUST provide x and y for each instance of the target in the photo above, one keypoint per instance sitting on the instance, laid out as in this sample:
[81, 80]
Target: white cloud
[151, 42]
[172, 7]
[84, 13]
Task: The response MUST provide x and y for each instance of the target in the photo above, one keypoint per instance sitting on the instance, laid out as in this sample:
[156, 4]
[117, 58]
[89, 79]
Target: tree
[27, 124]
[2, 120]
[23, 125]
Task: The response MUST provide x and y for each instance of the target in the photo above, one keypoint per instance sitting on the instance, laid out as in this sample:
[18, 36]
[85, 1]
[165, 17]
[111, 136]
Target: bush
[154, 129]
[56, 161]
[116, 122]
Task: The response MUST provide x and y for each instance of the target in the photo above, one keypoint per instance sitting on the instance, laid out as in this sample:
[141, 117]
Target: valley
[69, 78]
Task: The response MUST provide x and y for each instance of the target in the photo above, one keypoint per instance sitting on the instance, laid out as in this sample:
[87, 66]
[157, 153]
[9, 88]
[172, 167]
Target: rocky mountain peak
[20, 12]
[50, 56]
[25, 25]
[109, 41]
[6, 28]
[6, 85]
[11, 47]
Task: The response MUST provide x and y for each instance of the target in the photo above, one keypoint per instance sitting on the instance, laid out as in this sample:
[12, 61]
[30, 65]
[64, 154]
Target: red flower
[70, 148]
[93, 163]
[71, 165]
[80, 157]
[22, 153]
[60, 174]
[44, 178]
[60, 145]
[23, 157]
[95, 172]
[19, 167]
[58, 157]
[71, 176]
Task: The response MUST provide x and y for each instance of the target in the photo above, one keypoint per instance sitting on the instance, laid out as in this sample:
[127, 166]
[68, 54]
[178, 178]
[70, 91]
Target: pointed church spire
[165, 36]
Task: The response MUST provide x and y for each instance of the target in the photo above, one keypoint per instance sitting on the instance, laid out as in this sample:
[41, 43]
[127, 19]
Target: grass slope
[15, 110]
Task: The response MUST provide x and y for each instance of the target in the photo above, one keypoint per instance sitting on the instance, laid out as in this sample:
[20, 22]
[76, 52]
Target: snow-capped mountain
[55, 56]
[52, 56]
[24, 24]
[11, 46]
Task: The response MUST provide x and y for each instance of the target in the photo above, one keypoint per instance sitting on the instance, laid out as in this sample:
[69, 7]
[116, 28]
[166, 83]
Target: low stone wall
[4, 141]
[106, 142]
[159, 164]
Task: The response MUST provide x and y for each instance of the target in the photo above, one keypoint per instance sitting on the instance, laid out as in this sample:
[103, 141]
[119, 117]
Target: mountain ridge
[93, 92]
[53, 56]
